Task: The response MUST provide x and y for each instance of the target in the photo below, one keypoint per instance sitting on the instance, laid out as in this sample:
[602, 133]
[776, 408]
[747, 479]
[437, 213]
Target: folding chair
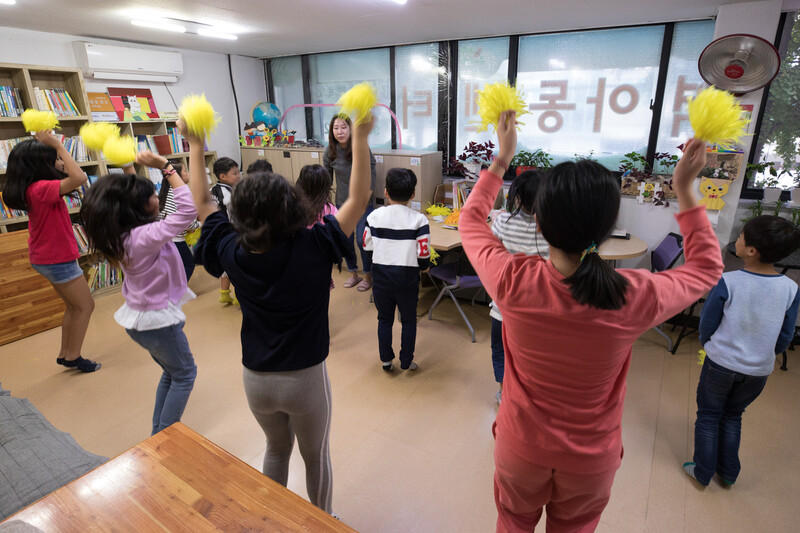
[663, 258]
[454, 276]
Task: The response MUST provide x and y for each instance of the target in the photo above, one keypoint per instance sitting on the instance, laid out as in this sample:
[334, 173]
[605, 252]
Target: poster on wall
[133, 104]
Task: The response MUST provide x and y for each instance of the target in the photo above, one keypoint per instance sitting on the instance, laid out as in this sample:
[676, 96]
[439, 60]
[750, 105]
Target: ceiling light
[8, 2]
[210, 32]
[159, 25]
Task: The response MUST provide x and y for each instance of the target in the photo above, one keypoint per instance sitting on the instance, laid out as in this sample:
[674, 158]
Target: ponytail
[576, 206]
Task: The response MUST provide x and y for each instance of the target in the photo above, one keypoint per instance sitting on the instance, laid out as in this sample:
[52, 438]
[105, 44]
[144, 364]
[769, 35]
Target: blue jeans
[722, 396]
[366, 257]
[498, 353]
[405, 300]
[169, 348]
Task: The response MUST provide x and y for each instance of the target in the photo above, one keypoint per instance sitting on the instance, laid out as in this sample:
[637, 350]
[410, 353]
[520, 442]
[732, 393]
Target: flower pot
[772, 194]
[473, 169]
[796, 195]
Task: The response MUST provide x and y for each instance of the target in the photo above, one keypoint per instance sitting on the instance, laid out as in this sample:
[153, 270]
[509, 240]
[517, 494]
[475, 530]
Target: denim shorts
[59, 272]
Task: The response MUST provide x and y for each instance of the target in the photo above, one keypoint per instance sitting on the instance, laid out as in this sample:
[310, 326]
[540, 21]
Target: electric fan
[739, 63]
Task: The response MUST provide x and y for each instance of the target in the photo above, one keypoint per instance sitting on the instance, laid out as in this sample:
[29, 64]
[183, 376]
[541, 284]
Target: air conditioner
[110, 62]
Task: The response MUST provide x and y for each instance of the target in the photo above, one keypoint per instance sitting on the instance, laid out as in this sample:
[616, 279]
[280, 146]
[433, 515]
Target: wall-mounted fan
[739, 63]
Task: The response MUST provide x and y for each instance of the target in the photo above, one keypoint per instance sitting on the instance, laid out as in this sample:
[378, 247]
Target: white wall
[203, 73]
[653, 223]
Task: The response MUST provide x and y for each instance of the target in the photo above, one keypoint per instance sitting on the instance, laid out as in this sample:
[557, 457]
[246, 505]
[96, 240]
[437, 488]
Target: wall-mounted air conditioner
[110, 62]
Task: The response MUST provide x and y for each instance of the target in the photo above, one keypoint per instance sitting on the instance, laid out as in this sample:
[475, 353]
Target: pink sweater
[154, 273]
[566, 363]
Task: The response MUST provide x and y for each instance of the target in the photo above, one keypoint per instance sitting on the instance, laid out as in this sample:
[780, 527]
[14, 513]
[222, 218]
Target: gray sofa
[35, 457]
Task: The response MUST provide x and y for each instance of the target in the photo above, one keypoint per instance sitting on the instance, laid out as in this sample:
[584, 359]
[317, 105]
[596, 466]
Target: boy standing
[397, 237]
[228, 175]
[748, 318]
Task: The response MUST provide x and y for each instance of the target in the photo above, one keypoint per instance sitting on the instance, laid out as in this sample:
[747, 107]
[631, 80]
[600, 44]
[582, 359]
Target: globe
[268, 113]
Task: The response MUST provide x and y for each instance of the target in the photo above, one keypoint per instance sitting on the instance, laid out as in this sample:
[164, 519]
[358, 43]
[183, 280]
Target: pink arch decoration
[396, 122]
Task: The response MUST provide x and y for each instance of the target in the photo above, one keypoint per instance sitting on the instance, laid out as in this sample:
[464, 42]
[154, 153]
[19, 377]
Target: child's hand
[362, 130]
[47, 138]
[149, 159]
[507, 135]
[690, 165]
[193, 139]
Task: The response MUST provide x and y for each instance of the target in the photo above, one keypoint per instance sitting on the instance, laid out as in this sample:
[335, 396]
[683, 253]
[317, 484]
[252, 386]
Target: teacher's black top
[284, 293]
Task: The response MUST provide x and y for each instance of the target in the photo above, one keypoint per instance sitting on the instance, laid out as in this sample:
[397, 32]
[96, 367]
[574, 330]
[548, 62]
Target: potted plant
[474, 157]
[770, 184]
[525, 160]
[635, 169]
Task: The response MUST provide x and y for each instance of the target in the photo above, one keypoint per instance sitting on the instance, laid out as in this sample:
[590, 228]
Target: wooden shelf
[18, 220]
[111, 289]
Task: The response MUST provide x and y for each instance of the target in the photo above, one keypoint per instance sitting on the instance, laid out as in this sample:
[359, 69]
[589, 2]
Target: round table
[613, 248]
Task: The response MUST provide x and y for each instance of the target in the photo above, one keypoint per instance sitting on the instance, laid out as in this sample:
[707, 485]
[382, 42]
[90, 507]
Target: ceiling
[269, 28]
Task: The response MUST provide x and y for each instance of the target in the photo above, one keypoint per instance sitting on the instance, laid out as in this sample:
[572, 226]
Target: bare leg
[80, 305]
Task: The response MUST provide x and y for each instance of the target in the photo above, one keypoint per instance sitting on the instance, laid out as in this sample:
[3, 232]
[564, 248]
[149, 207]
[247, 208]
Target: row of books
[461, 190]
[71, 201]
[10, 102]
[56, 100]
[102, 275]
[5, 148]
[81, 238]
[75, 146]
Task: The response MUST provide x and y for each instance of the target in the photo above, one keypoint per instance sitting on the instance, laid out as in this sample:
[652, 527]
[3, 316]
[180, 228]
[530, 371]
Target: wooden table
[443, 239]
[176, 481]
[613, 249]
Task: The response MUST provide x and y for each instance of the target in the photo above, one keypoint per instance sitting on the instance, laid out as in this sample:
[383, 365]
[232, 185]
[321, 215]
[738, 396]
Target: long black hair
[316, 183]
[163, 192]
[331, 150]
[522, 193]
[112, 207]
[28, 162]
[577, 206]
[265, 210]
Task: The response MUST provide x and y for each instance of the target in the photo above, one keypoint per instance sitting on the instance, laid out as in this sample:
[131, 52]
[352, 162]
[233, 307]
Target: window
[416, 90]
[589, 92]
[683, 79]
[480, 61]
[778, 140]
[331, 75]
[287, 79]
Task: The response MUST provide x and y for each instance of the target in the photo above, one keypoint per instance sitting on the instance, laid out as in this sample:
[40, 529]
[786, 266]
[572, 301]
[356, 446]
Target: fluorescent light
[158, 24]
[210, 32]
[8, 2]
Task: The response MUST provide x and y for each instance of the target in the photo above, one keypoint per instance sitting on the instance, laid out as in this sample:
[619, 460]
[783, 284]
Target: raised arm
[149, 159]
[197, 175]
[353, 207]
[75, 176]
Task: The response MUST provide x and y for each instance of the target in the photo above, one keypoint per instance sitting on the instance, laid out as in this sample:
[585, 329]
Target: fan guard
[739, 63]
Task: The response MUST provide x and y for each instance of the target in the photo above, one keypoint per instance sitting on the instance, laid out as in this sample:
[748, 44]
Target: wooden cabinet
[287, 161]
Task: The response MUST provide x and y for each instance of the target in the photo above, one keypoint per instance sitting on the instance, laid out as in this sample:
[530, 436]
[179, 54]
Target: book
[101, 107]
[163, 144]
[138, 102]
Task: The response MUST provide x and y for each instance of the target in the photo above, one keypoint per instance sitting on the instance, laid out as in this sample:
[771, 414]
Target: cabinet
[287, 161]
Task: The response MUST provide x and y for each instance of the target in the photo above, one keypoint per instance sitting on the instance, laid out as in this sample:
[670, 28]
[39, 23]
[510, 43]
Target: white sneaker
[412, 366]
[388, 367]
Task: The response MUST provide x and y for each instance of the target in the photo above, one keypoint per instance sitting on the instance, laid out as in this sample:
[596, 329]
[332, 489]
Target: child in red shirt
[569, 324]
[34, 184]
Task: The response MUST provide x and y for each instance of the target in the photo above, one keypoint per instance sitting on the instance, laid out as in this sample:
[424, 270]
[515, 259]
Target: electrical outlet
[416, 205]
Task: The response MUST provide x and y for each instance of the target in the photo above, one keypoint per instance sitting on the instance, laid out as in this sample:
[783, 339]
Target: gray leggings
[295, 402]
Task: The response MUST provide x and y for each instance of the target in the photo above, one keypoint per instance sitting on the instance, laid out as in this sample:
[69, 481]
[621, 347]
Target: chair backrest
[666, 253]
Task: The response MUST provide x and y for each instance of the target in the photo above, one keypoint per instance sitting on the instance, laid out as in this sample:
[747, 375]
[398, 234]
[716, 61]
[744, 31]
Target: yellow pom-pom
[452, 218]
[434, 255]
[358, 102]
[199, 115]
[120, 150]
[192, 237]
[95, 134]
[716, 118]
[701, 356]
[495, 98]
[34, 120]
[438, 210]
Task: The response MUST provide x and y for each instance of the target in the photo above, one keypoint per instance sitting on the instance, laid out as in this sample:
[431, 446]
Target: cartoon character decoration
[713, 191]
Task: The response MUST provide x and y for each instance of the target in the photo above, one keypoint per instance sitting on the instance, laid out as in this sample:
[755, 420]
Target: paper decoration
[713, 191]
[647, 191]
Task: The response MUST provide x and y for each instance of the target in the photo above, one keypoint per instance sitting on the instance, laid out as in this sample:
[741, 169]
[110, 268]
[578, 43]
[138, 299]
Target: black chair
[454, 276]
[663, 258]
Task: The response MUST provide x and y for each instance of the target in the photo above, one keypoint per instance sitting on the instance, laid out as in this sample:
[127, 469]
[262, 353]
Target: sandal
[364, 286]
[351, 282]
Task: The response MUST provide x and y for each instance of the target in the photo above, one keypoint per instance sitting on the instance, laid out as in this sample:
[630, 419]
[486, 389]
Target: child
[34, 184]
[316, 184]
[338, 161]
[517, 230]
[166, 206]
[228, 175]
[569, 324]
[259, 165]
[747, 319]
[120, 213]
[398, 238]
[283, 271]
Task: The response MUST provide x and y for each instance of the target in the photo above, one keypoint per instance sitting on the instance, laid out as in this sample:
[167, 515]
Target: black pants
[187, 258]
[386, 300]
